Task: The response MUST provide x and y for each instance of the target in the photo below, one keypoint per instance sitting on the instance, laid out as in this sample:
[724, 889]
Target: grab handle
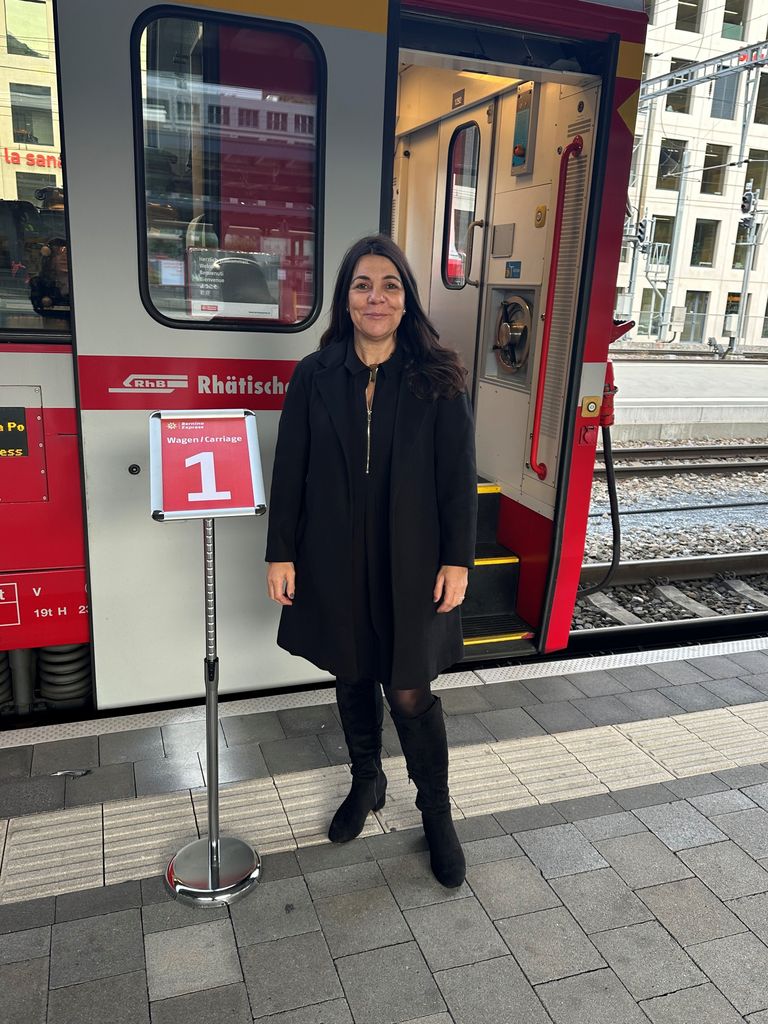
[471, 249]
[573, 148]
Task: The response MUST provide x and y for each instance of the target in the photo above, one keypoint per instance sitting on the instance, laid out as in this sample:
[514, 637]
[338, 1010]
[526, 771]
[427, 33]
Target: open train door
[220, 157]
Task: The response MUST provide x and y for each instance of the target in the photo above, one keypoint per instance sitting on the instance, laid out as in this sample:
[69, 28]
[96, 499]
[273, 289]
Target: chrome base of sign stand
[194, 878]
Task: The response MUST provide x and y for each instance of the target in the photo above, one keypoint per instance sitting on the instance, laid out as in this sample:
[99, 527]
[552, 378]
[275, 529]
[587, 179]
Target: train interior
[478, 150]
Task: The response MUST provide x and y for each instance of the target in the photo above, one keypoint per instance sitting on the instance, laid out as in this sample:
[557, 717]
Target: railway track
[686, 458]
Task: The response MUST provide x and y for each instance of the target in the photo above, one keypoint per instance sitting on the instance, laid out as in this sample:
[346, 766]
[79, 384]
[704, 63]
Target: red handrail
[573, 148]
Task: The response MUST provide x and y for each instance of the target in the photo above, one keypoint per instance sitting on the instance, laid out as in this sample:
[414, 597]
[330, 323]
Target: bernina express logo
[157, 383]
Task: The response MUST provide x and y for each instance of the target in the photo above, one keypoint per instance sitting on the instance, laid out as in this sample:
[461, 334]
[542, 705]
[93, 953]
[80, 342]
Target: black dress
[371, 472]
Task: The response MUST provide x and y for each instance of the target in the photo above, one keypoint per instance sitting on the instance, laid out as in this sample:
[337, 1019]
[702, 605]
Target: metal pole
[750, 252]
[211, 674]
[678, 230]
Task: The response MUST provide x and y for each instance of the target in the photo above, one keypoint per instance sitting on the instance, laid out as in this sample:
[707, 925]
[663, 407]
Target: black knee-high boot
[425, 747]
[362, 712]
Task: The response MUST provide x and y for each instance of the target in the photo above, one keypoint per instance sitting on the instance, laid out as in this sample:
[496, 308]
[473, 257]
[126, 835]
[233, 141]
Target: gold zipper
[373, 370]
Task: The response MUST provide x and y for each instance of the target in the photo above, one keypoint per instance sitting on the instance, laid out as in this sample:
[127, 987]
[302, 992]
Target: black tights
[404, 703]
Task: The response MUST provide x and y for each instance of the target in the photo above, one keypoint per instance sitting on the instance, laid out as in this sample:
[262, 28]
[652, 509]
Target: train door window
[716, 159]
[460, 203]
[704, 243]
[696, 306]
[670, 164]
[34, 257]
[230, 118]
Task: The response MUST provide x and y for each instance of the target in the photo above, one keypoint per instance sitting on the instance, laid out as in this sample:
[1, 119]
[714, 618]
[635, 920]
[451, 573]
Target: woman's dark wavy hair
[432, 371]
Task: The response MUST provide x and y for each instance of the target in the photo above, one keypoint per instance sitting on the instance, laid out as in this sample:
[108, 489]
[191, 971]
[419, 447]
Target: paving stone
[59, 755]
[335, 746]
[508, 694]
[560, 850]
[396, 844]
[96, 947]
[647, 960]
[131, 745]
[747, 775]
[490, 991]
[553, 688]
[609, 826]
[734, 691]
[700, 1005]
[336, 1011]
[520, 819]
[357, 921]
[184, 738]
[72, 906]
[17, 917]
[122, 1001]
[607, 999]
[162, 917]
[290, 973]
[282, 908]
[753, 911]
[154, 890]
[738, 966]
[112, 782]
[15, 763]
[462, 729]
[760, 681]
[690, 912]
[434, 1018]
[646, 704]
[758, 1018]
[294, 755]
[727, 870]
[747, 828]
[349, 878]
[678, 673]
[228, 1003]
[481, 826]
[509, 724]
[31, 796]
[549, 944]
[26, 945]
[510, 887]
[603, 710]
[716, 666]
[467, 700]
[679, 825]
[389, 985]
[642, 860]
[411, 880]
[28, 982]
[758, 794]
[275, 866]
[307, 721]
[180, 961]
[752, 661]
[600, 900]
[721, 803]
[332, 855]
[587, 807]
[168, 775]
[636, 677]
[258, 728]
[696, 785]
[596, 683]
[240, 763]
[643, 796]
[484, 851]
[559, 716]
[693, 697]
[455, 934]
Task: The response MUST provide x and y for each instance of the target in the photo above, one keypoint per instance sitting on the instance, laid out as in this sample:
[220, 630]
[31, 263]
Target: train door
[217, 167]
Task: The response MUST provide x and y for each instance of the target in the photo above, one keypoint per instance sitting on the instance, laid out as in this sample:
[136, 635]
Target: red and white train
[219, 157]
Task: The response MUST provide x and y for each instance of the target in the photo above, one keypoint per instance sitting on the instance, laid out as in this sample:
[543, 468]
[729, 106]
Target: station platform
[613, 811]
[690, 400]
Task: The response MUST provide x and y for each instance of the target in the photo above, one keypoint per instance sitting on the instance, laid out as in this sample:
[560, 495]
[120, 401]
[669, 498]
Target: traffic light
[748, 203]
[642, 231]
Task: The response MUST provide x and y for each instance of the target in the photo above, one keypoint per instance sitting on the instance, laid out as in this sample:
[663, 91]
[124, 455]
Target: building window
[461, 199]
[649, 321]
[304, 124]
[734, 19]
[217, 113]
[704, 243]
[186, 111]
[26, 29]
[713, 177]
[247, 117]
[679, 102]
[27, 185]
[724, 94]
[732, 304]
[649, 9]
[757, 170]
[742, 247]
[761, 104]
[32, 115]
[688, 14]
[661, 241]
[276, 121]
[635, 158]
[670, 164]
[764, 332]
[696, 305]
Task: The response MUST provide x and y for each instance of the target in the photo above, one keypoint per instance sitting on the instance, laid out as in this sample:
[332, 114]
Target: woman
[372, 530]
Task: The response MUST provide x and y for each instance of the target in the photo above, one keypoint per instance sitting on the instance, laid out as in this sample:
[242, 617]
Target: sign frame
[161, 514]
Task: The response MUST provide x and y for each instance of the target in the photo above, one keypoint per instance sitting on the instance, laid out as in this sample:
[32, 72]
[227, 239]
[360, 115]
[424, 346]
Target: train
[219, 157]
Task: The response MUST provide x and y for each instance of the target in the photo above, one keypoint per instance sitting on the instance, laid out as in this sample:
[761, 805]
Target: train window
[229, 124]
[34, 255]
[460, 202]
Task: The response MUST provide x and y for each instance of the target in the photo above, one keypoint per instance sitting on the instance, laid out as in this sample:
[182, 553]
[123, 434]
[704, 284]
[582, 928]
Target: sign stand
[222, 448]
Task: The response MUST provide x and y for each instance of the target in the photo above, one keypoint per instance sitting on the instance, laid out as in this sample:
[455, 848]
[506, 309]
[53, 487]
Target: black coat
[432, 515]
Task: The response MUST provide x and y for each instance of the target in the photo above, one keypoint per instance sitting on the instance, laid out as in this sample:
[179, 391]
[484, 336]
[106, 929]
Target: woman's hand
[281, 581]
[450, 585]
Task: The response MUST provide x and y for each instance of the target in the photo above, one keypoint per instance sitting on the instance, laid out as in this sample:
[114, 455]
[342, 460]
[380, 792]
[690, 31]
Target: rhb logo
[158, 383]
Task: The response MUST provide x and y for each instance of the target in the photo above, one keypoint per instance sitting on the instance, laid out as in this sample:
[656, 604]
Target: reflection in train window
[229, 117]
[460, 200]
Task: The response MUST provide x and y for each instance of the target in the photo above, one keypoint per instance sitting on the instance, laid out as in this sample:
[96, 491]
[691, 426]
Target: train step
[495, 636]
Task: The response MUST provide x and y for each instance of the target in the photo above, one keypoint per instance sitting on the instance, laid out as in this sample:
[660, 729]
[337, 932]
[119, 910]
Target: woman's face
[376, 299]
